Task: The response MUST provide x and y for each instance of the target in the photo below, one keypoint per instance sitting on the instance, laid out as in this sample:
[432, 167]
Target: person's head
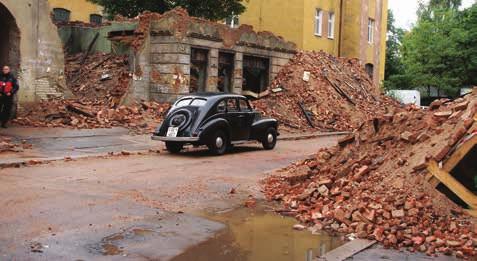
[6, 69]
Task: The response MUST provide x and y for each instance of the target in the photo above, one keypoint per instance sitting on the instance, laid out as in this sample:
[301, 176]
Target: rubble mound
[373, 183]
[339, 95]
[99, 83]
[99, 78]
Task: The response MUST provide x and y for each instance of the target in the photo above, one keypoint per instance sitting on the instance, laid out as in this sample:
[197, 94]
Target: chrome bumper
[177, 139]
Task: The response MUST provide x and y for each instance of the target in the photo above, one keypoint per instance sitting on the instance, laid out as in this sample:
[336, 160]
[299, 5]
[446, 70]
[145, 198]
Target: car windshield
[191, 102]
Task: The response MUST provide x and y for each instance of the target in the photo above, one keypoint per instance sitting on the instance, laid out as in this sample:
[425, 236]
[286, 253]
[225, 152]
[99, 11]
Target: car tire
[269, 139]
[174, 147]
[218, 143]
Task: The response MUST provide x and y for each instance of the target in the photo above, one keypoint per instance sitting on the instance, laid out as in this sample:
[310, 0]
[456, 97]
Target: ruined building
[182, 54]
[347, 28]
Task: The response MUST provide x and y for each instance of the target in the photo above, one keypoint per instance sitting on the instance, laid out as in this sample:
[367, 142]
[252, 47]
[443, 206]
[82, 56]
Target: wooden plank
[347, 250]
[471, 212]
[460, 190]
[459, 154]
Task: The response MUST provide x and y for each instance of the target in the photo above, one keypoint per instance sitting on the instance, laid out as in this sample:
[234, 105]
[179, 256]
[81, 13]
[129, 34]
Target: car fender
[211, 126]
[259, 127]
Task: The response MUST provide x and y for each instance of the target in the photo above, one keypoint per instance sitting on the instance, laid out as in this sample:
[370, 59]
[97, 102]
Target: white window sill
[318, 35]
[331, 37]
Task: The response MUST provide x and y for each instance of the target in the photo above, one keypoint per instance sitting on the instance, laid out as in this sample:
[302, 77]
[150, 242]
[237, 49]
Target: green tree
[394, 66]
[440, 51]
[211, 9]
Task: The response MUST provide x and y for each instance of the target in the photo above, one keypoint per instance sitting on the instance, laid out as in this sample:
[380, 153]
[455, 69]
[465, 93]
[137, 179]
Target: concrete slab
[347, 250]
[377, 252]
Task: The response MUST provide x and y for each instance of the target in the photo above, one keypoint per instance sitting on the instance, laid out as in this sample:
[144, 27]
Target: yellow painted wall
[295, 21]
[282, 17]
[384, 31]
[80, 9]
[312, 41]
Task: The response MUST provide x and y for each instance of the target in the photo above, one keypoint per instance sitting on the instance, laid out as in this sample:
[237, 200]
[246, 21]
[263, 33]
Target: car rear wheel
[218, 143]
[174, 147]
[269, 139]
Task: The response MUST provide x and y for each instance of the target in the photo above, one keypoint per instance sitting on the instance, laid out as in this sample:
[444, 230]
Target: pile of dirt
[373, 184]
[338, 96]
[99, 83]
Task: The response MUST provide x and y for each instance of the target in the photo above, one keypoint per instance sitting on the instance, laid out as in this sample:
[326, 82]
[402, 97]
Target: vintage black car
[216, 120]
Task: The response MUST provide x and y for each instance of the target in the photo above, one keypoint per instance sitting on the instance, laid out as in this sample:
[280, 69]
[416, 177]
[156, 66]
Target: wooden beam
[454, 185]
[471, 212]
[459, 154]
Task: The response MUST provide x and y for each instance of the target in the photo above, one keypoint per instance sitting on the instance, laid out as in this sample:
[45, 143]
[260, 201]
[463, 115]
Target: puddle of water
[112, 245]
[257, 235]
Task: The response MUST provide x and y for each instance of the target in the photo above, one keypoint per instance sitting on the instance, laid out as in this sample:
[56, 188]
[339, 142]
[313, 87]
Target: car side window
[232, 105]
[221, 106]
[244, 105]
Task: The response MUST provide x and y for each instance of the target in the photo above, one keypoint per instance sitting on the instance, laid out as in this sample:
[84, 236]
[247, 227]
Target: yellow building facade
[348, 28]
[78, 10]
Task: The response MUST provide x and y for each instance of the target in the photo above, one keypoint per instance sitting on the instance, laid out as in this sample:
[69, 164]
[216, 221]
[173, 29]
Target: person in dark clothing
[8, 88]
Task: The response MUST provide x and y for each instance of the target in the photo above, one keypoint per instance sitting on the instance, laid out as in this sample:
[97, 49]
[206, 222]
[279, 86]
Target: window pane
[61, 15]
[331, 25]
[95, 19]
[232, 105]
[318, 22]
[244, 105]
[182, 103]
[198, 102]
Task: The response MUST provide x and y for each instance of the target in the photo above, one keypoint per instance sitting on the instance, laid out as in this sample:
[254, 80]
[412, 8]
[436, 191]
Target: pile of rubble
[99, 83]
[98, 78]
[335, 93]
[372, 185]
[7, 145]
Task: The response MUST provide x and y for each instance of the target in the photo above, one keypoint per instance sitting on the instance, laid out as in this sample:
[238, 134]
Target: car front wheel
[218, 143]
[174, 147]
[269, 139]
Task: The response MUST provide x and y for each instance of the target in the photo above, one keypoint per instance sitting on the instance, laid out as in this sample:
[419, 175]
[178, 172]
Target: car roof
[213, 95]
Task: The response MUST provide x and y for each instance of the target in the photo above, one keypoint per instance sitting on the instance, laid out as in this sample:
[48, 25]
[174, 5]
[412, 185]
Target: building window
[331, 25]
[95, 19]
[370, 30]
[369, 67]
[233, 21]
[318, 22]
[61, 15]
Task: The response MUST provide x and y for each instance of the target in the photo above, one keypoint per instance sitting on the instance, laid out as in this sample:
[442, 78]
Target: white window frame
[318, 22]
[371, 25]
[331, 25]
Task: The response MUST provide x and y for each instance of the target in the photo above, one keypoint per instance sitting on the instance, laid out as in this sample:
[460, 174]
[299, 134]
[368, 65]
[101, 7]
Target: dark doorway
[369, 67]
[255, 75]
[10, 43]
[226, 72]
[466, 171]
[199, 59]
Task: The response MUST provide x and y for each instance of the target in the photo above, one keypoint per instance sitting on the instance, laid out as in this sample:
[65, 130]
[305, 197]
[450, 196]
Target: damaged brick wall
[40, 60]
[163, 60]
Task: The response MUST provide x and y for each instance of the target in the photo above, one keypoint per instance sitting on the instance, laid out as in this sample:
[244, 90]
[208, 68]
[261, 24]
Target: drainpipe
[340, 27]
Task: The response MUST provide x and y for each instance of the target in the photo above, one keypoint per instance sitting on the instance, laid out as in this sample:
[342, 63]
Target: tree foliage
[440, 51]
[210, 9]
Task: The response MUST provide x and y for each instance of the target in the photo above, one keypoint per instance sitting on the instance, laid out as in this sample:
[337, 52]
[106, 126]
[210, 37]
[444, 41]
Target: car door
[234, 117]
[246, 118]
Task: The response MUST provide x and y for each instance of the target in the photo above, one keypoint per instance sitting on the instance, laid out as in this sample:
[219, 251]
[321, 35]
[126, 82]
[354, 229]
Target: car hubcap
[219, 142]
[270, 138]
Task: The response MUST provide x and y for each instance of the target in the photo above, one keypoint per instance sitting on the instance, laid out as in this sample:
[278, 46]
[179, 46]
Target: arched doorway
[10, 40]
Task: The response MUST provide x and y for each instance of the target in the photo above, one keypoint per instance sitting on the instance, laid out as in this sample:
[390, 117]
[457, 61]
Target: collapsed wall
[374, 184]
[335, 93]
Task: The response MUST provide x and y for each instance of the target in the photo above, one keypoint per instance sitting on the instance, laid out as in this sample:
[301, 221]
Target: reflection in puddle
[255, 235]
[112, 245]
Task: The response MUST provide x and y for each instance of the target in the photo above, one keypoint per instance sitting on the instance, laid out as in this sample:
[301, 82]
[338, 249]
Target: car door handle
[241, 116]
